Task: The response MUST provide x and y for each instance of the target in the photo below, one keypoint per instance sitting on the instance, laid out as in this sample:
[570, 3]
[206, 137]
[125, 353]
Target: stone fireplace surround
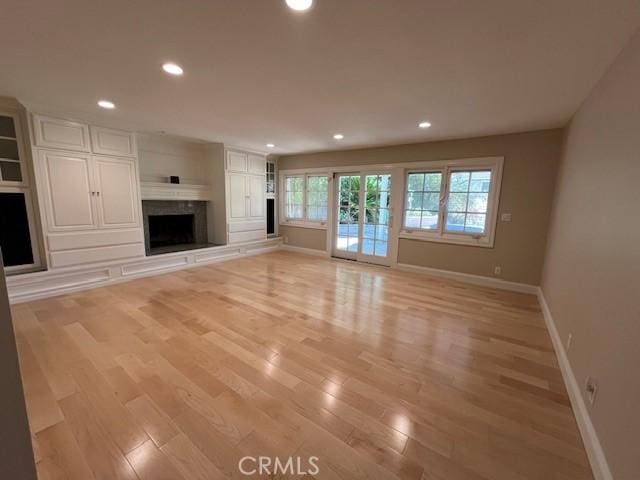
[177, 207]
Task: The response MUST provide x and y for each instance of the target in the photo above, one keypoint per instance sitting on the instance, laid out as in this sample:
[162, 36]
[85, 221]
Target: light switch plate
[505, 217]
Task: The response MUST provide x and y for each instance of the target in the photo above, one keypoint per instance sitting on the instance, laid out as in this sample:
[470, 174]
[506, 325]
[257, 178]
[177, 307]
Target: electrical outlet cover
[591, 387]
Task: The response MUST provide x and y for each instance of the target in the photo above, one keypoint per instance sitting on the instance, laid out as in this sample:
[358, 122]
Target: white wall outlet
[286, 239]
[569, 340]
[505, 217]
[497, 271]
[591, 387]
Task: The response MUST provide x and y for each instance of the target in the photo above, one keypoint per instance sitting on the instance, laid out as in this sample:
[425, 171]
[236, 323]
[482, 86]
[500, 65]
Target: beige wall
[591, 276]
[304, 237]
[527, 188]
[16, 455]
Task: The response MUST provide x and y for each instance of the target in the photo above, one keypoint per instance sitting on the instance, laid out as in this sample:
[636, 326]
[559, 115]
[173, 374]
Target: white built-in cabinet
[245, 186]
[89, 192]
[88, 185]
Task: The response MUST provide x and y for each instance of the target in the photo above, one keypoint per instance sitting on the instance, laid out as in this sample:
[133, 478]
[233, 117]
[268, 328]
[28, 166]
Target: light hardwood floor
[381, 374]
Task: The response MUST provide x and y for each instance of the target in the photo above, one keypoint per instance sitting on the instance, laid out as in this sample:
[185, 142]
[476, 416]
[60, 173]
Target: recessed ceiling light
[107, 104]
[338, 136]
[270, 145]
[424, 124]
[299, 5]
[173, 69]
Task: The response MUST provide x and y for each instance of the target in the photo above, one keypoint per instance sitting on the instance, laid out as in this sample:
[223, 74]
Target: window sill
[484, 242]
[302, 224]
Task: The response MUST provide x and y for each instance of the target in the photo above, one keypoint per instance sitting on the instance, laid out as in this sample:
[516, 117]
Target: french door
[363, 217]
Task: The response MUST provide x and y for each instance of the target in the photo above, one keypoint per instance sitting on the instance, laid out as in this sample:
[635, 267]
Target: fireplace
[174, 225]
[166, 230]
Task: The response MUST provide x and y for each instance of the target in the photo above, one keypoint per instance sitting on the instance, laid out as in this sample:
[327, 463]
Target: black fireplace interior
[167, 230]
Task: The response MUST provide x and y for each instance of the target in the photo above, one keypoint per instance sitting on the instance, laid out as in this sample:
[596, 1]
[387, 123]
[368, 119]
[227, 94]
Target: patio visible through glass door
[363, 217]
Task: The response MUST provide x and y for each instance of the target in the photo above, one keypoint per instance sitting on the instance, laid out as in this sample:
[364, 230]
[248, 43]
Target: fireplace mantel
[173, 191]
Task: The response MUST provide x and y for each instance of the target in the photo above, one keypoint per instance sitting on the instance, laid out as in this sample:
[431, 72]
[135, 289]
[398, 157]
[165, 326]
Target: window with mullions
[305, 199]
[423, 200]
[454, 202]
[294, 197]
[317, 198]
[271, 177]
[468, 201]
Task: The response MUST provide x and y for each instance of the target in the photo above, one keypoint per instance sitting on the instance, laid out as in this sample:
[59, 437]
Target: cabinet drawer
[57, 133]
[246, 226]
[70, 241]
[69, 258]
[239, 237]
[107, 141]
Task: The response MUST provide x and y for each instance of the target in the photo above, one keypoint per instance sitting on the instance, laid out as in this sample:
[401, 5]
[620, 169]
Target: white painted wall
[161, 156]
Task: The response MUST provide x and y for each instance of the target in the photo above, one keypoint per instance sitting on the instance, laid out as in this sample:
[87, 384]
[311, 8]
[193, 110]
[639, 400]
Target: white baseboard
[34, 286]
[306, 251]
[469, 278]
[592, 445]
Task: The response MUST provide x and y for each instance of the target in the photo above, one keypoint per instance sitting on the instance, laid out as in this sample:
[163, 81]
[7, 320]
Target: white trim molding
[33, 286]
[470, 278]
[174, 191]
[306, 251]
[595, 453]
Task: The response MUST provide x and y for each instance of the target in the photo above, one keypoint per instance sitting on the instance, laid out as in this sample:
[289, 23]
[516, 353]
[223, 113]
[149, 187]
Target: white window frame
[304, 220]
[284, 191]
[487, 239]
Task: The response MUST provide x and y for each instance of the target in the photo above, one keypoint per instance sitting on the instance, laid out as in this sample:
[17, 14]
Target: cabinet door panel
[256, 196]
[68, 183]
[257, 164]
[58, 133]
[237, 195]
[113, 142]
[236, 161]
[117, 197]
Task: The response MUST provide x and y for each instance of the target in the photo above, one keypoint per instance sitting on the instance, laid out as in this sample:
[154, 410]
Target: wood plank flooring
[380, 374]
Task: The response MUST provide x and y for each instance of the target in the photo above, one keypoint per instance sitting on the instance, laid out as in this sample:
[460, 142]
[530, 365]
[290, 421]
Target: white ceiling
[257, 72]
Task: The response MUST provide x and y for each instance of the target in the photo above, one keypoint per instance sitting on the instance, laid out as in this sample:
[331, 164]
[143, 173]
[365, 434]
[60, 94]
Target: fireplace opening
[168, 230]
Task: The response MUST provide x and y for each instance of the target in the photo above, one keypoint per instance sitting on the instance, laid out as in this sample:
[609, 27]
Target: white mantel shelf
[174, 191]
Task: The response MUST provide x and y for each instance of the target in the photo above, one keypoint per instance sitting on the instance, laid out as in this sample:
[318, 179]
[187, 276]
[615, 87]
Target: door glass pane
[348, 212]
[376, 221]
[381, 249]
[367, 246]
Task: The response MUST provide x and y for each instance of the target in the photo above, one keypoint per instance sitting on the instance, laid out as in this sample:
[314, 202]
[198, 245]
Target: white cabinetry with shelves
[19, 238]
[245, 186]
[89, 192]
